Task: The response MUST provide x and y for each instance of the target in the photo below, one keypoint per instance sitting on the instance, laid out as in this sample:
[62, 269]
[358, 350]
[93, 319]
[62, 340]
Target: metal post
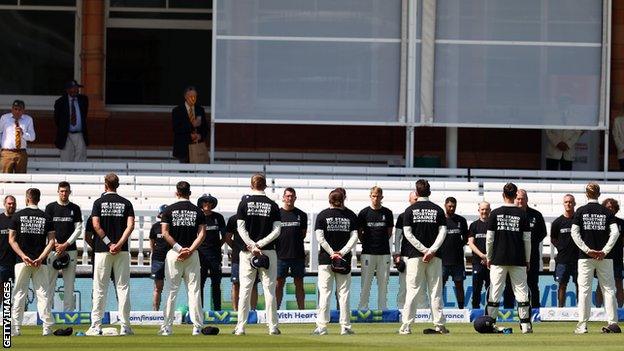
[451, 147]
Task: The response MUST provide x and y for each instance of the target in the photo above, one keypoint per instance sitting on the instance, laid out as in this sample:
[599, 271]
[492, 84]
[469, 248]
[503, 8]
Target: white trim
[158, 10]
[310, 122]
[513, 126]
[37, 8]
[606, 79]
[321, 39]
[150, 23]
[517, 43]
[411, 62]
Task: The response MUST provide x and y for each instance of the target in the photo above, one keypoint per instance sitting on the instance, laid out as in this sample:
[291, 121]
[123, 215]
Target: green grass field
[547, 336]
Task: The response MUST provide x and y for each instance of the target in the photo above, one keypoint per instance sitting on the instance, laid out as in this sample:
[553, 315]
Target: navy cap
[260, 261]
[162, 209]
[400, 266]
[340, 265]
[73, 84]
[484, 324]
[61, 262]
[207, 198]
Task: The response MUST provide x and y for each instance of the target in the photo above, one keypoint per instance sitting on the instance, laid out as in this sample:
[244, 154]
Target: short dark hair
[189, 88]
[290, 190]
[423, 188]
[336, 198]
[9, 196]
[19, 103]
[64, 184]
[111, 181]
[34, 195]
[258, 181]
[613, 202]
[451, 200]
[510, 191]
[183, 188]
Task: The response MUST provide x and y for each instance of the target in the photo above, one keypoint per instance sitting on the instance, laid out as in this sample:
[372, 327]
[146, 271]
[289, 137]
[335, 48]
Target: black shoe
[210, 330]
[611, 328]
[64, 332]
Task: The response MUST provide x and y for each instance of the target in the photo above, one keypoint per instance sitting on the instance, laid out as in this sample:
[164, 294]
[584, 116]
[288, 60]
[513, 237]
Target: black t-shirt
[161, 246]
[425, 218]
[32, 226]
[478, 231]
[259, 213]
[113, 211]
[616, 253]
[452, 249]
[404, 243]
[64, 219]
[538, 232]
[7, 255]
[594, 221]
[215, 230]
[337, 225]
[184, 220]
[232, 227]
[374, 225]
[561, 232]
[509, 224]
[289, 245]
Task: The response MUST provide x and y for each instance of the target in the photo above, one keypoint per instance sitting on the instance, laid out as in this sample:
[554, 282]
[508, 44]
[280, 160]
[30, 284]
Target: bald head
[484, 210]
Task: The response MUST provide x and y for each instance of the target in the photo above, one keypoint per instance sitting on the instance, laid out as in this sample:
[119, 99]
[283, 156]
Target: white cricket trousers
[325, 282]
[518, 277]
[41, 284]
[188, 270]
[402, 286]
[421, 277]
[378, 266]
[69, 278]
[247, 277]
[604, 271]
[120, 265]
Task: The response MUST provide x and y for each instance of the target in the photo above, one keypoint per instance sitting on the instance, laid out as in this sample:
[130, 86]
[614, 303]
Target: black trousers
[480, 277]
[211, 268]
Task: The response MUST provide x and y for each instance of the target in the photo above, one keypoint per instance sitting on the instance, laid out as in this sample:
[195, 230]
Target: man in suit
[70, 117]
[189, 125]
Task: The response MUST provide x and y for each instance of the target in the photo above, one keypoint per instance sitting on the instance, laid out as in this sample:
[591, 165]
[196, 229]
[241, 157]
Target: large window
[530, 62]
[155, 48]
[40, 50]
[288, 61]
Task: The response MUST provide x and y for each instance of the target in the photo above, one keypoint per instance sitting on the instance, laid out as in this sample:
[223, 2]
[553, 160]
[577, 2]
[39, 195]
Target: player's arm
[475, 249]
[320, 237]
[398, 235]
[229, 239]
[201, 233]
[436, 244]
[48, 248]
[126, 234]
[409, 235]
[244, 234]
[614, 234]
[489, 245]
[554, 234]
[576, 237]
[349, 246]
[526, 237]
[16, 248]
[274, 234]
[97, 227]
[60, 248]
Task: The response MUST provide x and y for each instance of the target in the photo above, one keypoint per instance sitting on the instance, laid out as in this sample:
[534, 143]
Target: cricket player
[566, 261]
[259, 226]
[210, 249]
[424, 227]
[375, 224]
[31, 235]
[336, 232]
[113, 222]
[183, 226]
[595, 231]
[67, 219]
[615, 254]
[476, 241]
[508, 251]
[7, 255]
[400, 251]
[159, 248]
[452, 250]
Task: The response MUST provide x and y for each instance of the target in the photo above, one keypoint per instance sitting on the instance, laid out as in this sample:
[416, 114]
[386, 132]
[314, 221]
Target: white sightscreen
[307, 60]
[529, 62]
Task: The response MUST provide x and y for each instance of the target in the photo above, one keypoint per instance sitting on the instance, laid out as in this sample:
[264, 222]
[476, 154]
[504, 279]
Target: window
[154, 49]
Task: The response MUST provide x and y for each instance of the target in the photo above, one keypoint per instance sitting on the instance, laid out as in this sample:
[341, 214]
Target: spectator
[16, 128]
[70, 118]
[560, 149]
[189, 125]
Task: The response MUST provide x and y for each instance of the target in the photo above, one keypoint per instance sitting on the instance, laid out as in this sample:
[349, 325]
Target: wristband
[106, 240]
[177, 247]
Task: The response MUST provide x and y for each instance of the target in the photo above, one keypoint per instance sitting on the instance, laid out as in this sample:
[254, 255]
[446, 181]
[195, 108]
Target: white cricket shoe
[196, 331]
[346, 331]
[319, 331]
[405, 329]
[47, 331]
[165, 331]
[125, 330]
[94, 331]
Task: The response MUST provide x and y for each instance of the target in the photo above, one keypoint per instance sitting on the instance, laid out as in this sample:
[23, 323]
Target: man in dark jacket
[189, 125]
[70, 118]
